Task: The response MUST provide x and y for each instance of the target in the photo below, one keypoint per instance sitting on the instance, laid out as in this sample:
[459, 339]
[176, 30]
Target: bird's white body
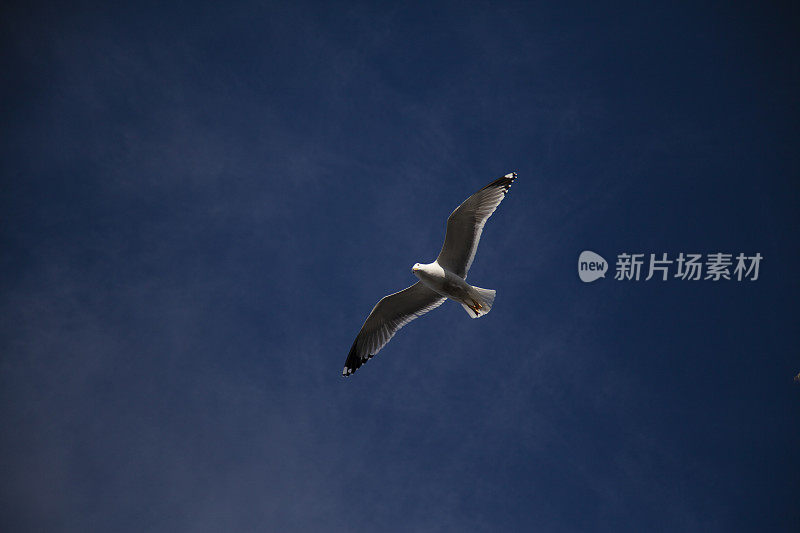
[475, 300]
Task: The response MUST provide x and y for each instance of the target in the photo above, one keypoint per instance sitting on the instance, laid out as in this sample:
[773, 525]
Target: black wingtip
[503, 183]
[354, 361]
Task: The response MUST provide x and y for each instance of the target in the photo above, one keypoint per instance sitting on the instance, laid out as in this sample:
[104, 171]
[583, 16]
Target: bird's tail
[479, 302]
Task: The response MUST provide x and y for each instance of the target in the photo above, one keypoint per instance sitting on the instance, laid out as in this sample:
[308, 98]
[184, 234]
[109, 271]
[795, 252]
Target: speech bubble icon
[591, 266]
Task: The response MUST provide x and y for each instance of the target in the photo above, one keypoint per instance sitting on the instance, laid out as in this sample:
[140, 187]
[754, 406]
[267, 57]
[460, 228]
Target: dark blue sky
[200, 204]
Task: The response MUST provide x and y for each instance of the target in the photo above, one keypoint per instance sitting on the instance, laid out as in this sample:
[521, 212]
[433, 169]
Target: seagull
[438, 281]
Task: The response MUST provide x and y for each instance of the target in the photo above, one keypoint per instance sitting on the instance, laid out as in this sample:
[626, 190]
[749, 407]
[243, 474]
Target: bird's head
[416, 267]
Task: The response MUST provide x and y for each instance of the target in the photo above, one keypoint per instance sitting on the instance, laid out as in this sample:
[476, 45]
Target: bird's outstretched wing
[387, 317]
[465, 225]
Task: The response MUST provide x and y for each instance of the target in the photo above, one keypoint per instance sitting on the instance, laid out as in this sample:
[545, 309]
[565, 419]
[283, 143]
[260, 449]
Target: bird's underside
[443, 279]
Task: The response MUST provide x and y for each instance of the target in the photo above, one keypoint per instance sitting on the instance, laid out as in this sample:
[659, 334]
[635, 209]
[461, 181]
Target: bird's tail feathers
[479, 303]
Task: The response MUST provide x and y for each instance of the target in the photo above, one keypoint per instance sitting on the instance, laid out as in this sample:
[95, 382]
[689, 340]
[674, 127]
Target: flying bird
[438, 281]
